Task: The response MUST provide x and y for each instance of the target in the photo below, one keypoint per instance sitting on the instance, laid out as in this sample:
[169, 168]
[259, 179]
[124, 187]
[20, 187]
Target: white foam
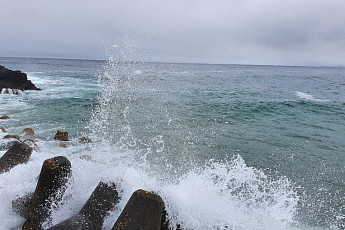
[220, 194]
[308, 97]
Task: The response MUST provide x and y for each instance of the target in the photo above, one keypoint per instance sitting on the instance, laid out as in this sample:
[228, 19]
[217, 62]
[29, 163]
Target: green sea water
[282, 127]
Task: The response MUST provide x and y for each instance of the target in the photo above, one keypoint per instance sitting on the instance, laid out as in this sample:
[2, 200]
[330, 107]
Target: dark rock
[22, 205]
[50, 188]
[91, 216]
[3, 129]
[19, 153]
[61, 135]
[15, 80]
[7, 145]
[143, 211]
[4, 117]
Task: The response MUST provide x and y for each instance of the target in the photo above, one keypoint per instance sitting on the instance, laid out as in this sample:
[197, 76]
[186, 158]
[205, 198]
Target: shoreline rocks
[18, 153]
[61, 135]
[12, 82]
[91, 216]
[50, 188]
[4, 117]
[143, 211]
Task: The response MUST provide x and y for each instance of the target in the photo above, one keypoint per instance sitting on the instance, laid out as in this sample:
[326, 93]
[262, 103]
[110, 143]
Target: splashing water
[151, 129]
[223, 194]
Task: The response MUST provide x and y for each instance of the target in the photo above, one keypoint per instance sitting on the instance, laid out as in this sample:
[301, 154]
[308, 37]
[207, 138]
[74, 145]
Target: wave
[308, 97]
[208, 195]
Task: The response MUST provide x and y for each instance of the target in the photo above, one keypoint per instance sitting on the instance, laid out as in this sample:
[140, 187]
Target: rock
[85, 140]
[61, 135]
[12, 136]
[14, 80]
[22, 205]
[91, 216]
[50, 188]
[19, 153]
[4, 117]
[3, 129]
[27, 132]
[7, 145]
[143, 211]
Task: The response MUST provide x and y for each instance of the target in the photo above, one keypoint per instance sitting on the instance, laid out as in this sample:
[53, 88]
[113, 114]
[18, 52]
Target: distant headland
[14, 82]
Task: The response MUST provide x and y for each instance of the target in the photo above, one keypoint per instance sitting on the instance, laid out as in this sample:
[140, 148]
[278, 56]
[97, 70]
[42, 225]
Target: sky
[263, 32]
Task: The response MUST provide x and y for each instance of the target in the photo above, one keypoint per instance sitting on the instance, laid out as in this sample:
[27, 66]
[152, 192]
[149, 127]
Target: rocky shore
[14, 82]
[144, 210]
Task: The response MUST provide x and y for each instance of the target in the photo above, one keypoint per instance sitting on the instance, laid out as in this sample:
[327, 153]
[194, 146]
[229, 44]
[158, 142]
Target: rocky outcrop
[12, 81]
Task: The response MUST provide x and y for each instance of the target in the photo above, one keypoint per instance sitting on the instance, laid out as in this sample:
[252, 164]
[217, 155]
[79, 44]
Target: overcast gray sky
[287, 32]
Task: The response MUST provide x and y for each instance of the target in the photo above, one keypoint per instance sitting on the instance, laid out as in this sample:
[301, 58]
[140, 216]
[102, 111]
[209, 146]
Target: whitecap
[308, 97]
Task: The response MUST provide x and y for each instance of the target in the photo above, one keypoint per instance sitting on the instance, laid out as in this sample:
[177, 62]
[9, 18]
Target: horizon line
[195, 63]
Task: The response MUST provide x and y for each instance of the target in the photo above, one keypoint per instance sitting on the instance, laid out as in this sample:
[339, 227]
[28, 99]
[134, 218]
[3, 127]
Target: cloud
[221, 31]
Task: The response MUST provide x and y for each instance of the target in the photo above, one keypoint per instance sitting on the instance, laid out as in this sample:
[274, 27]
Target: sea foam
[308, 97]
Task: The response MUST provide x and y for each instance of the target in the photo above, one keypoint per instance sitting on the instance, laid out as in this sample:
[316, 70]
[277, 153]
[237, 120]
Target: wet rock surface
[18, 153]
[61, 135]
[50, 188]
[92, 215]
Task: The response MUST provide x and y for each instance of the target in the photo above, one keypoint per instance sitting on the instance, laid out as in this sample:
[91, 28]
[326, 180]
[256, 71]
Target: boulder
[50, 188]
[4, 117]
[143, 211]
[27, 132]
[91, 216]
[14, 80]
[61, 135]
[19, 153]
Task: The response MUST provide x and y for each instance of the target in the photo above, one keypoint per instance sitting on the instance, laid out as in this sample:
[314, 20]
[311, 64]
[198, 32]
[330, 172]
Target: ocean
[225, 146]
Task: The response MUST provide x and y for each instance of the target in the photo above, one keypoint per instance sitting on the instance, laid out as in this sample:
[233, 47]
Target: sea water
[225, 146]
